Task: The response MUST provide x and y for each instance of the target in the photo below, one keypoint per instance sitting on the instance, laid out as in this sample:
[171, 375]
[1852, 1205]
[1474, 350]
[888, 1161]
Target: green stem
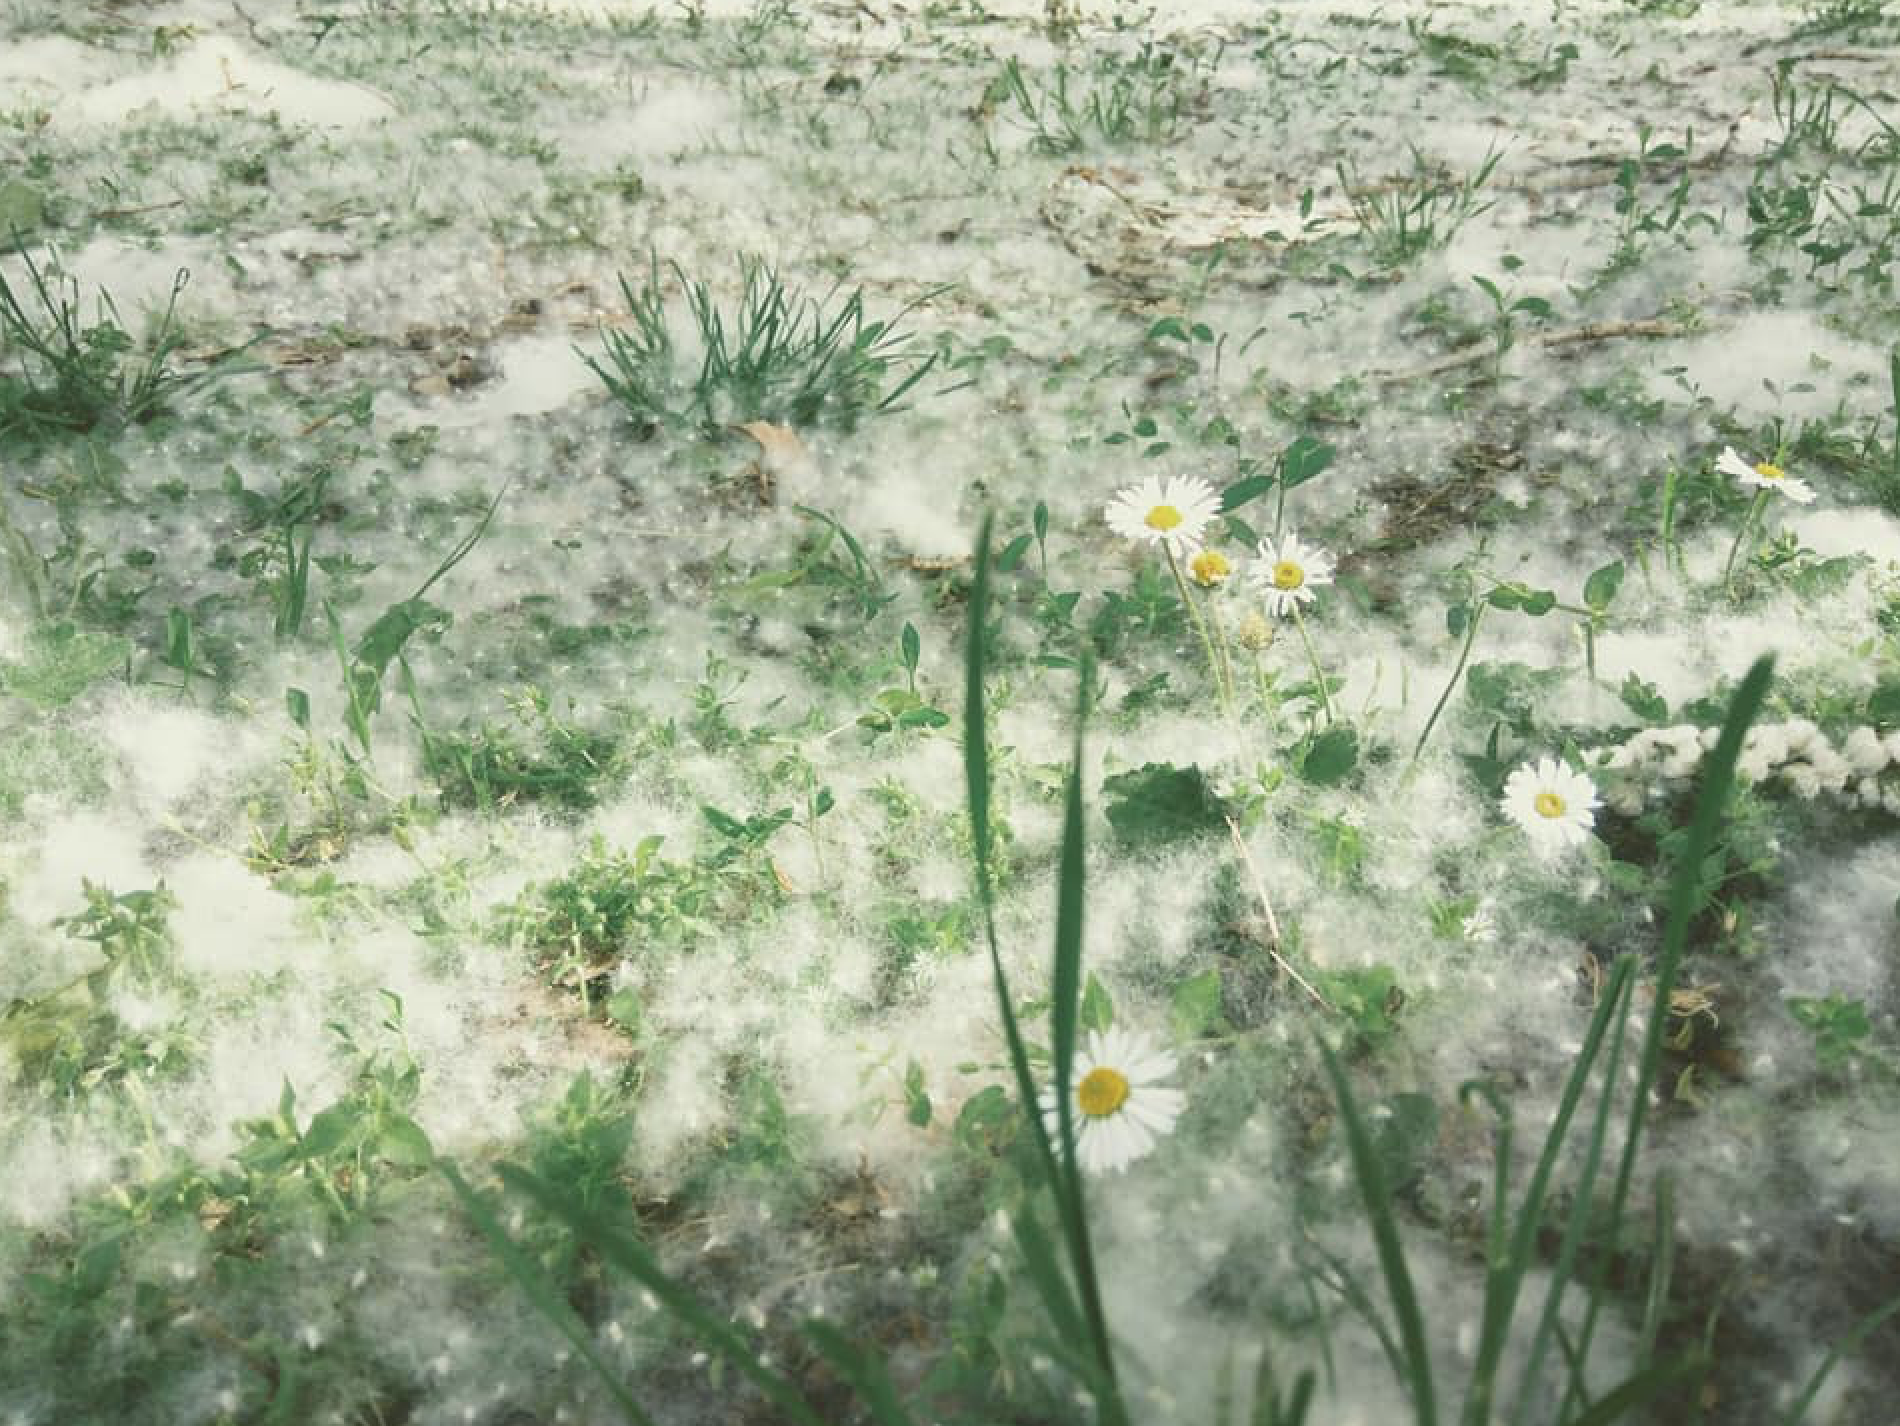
[1749, 521]
[1667, 534]
[1214, 666]
[1312, 656]
[1471, 637]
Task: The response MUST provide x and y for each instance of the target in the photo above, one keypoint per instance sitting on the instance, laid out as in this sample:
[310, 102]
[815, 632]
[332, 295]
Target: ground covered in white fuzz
[488, 492]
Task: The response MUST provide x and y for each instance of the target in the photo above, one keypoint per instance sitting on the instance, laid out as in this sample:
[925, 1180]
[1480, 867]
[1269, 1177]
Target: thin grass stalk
[1863, 1329]
[627, 1253]
[976, 772]
[1718, 776]
[1572, 1240]
[541, 1292]
[1064, 1015]
[1464, 654]
[1377, 1196]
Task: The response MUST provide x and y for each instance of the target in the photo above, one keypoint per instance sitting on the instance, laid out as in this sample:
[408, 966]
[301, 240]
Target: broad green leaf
[1162, 803]
[1195, 1005]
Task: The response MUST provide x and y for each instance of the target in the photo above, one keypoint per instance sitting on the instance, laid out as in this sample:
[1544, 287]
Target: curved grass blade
[627, 1253]
[1718, 776]
[863, 1370]
[1377, 1195]
[537, 1288]
[1863, 1329]
[1058, 1173]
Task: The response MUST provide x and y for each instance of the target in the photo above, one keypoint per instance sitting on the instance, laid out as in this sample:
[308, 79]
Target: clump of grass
[491, 767]
[1404, 218]
[71, 377]
[781, 355]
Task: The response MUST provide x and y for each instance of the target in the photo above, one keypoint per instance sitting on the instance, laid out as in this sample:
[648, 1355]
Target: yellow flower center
[1769, 472]
[1163, 517]
[1101, 1092]
[1548, 804]
[1210, 567]
[1288, 575]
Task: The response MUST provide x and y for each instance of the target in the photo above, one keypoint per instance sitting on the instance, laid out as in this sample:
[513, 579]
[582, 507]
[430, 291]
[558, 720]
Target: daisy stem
[1749, 521]
[1229, 689]
[1268, 702]
[1312, 657]
[1214, 664]
[1471, 637]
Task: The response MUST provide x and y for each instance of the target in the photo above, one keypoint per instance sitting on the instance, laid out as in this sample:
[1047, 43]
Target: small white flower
[1480, 928]
[1555, 806]
[1764, 476]
[1121, 1107]
[1286, 573]
[1173, 512]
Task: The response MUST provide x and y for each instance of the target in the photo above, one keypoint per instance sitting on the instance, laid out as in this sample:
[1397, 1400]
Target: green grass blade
[1863, 1329]
[863, 1370]
[1056, 1173]
[1058, 1299]
[1636, 1390]
[537, 1288]
[1661, 1268]
[1579, 1221]
[625, 1252]
[1064, 1015]
[1377, 1196]
[1718, 776]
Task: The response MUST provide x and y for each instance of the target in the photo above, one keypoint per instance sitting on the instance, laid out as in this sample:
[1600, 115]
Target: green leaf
[911, 646]
[178, 640]
[21, 211]
[1171, 327]
[1242, 491]
[625, 1010]
[916, 1101]
[1304, 459]
[1331, 757]
[331, 1130]
[985, 1120]
[297, 703]
[1011, 556]
[1600, 589]
[402, 1142]
[1194, 1008]
[1883, 705]
[1642, 699]
[1162, 803]
[1368, 996]
[385, 638]
[1098, 1011]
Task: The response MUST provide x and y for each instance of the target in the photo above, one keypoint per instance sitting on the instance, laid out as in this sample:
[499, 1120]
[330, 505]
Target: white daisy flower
[1121, 1108]
[1764, 476]
[1173, 512]
[1554, 805]
[1287, 572]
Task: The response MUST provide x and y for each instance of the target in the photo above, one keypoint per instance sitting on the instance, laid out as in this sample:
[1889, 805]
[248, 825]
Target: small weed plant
[780, 355]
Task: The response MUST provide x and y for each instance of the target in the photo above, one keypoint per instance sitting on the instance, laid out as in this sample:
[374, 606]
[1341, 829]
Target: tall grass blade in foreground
[1511, 1247]
[1061, 1174]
